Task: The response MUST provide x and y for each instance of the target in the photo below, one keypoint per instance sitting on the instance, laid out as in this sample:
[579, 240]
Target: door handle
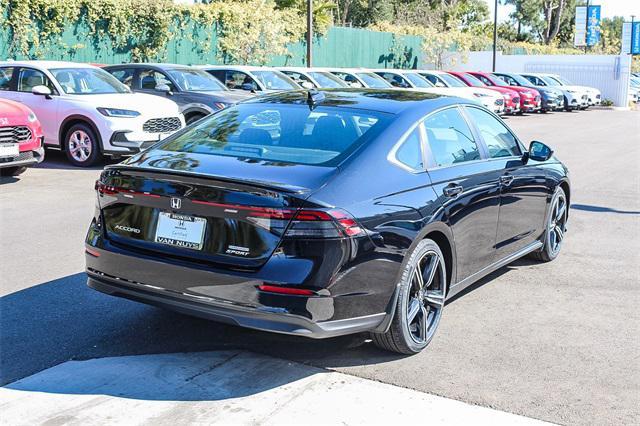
[452, 190]
[506, 179]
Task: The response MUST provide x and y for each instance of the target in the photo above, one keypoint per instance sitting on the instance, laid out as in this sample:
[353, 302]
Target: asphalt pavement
[558, 342]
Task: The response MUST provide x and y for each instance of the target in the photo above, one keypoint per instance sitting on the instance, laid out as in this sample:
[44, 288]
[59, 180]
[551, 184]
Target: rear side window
[450, 139]
[281, 133]
[410, 151]
[151, 79]
[499, 140]
[5, 78]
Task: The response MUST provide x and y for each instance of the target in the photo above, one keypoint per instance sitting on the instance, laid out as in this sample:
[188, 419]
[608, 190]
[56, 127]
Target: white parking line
[226, 387]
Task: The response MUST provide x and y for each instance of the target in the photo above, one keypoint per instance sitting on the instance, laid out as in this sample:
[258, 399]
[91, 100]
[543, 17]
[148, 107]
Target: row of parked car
[91, 111]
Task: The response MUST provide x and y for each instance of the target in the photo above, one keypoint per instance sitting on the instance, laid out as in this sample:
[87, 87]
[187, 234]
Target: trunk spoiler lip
[291, 189]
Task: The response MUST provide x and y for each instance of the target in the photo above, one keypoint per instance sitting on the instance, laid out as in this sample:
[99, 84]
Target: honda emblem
[176, 203]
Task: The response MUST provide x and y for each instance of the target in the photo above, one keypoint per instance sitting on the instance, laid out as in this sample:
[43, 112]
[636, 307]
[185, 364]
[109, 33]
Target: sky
[610, 8]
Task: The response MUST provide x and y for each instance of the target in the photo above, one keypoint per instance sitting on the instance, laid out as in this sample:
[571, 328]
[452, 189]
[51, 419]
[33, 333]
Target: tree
[544, 19]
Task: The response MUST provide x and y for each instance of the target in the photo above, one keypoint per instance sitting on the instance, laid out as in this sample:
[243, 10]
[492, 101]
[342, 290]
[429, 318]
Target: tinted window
[235, 80]
[509, 80]
[484, 79]
[418, 81]
[297, 77]
[124, 76]
[450, 139]
[394, 79]
[499, 140]
[28, 79]
[5, 78]
[410, 152]
[258, 132]
[350, 79]
[150, 79]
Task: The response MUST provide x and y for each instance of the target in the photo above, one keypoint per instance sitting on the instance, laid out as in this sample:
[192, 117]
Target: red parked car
[511, 97]
[20, 138]
[530, 98]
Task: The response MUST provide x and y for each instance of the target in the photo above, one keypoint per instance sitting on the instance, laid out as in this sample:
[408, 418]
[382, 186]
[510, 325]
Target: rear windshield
[281, 133]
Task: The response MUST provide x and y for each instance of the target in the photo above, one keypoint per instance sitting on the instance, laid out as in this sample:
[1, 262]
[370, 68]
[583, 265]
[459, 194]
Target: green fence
[194, 44]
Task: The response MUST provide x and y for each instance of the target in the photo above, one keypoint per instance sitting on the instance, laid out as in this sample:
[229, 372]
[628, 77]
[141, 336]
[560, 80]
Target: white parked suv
[250, 78]
[595, 97]
[88, 113]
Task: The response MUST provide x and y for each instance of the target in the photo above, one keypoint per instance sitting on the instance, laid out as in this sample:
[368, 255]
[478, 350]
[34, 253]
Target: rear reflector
[91, 252]
[286, 290]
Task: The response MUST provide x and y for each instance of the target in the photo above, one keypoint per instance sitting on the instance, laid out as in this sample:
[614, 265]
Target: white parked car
[576, 97]
[311, 78]
[88, 113]
[491, 99]
[251, 78]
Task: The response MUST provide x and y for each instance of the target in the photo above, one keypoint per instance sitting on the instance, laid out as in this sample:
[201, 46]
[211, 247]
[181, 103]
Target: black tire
[193, 118]
[12, 171]
[556, 227]
[81, 146]
[408, 336]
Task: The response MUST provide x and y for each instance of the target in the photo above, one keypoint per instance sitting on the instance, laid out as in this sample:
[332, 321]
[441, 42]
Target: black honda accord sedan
[323, 213]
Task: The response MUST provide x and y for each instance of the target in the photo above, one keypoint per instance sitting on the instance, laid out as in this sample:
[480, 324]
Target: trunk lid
[185, 207]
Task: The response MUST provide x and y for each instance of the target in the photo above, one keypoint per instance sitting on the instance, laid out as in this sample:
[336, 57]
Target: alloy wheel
[557, 224]
[426, 297]
[80, 146]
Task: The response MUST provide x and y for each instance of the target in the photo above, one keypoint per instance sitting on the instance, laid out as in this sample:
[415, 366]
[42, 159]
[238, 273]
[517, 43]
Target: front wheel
[556, 227]
[81, 146]
[420, 302]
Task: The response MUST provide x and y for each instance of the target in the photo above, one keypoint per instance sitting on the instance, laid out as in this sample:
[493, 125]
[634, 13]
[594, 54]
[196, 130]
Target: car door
[468, 187]
[523, 188]
[45, 107]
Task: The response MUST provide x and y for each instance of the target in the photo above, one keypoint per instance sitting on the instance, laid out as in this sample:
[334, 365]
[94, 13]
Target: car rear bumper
[264, 319]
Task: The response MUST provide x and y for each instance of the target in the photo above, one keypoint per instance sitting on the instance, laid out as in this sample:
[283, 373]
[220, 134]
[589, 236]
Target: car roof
[237, 67]
[150, 64]
[47, 64]
[382, 100]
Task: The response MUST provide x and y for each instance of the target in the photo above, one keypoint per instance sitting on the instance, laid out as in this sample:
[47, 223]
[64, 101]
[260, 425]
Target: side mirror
[307, 85]
[539, 151]
[164, 88]
[247, 86]
[41, 91]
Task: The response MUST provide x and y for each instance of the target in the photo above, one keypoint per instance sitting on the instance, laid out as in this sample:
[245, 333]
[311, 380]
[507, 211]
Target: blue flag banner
[593, 25]
[635, 38]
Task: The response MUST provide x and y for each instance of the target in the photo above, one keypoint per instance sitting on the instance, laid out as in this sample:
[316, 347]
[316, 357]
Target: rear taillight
[275, 288]
[333, 223]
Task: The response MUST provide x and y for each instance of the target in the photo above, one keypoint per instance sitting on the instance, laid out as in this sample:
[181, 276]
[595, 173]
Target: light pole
[309, 32]
[495, 33]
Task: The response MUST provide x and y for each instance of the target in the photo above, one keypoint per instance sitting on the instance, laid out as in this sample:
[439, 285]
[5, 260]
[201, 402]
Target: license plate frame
[181, 231]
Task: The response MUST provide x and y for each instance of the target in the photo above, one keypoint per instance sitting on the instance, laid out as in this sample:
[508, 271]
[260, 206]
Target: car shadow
[600, 209]
[57, 160]
[61, 320]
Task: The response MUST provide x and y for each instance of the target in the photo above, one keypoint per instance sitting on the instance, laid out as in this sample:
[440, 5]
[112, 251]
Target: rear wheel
[420, 302]
[556, 228]
[81, 146]
[12, 171]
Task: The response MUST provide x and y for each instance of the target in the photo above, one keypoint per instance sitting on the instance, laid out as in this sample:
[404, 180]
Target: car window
[124, 75]
[274, 80]
[394, 79]
[484, 79]
[434, 80]
[151, 79]
[410, 151]
[350, 79]
[297, 77]
[450, 139]
[373, 80]
[418, 81]
[326, 79]
[87, 81]
[509, 80]
[260, 132]
[499, 140]
[5, 78]
[194, 80]
[30, 78]
[235, 80]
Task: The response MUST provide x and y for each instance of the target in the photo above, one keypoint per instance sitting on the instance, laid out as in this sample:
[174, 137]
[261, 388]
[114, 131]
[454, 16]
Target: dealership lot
[557, 342]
